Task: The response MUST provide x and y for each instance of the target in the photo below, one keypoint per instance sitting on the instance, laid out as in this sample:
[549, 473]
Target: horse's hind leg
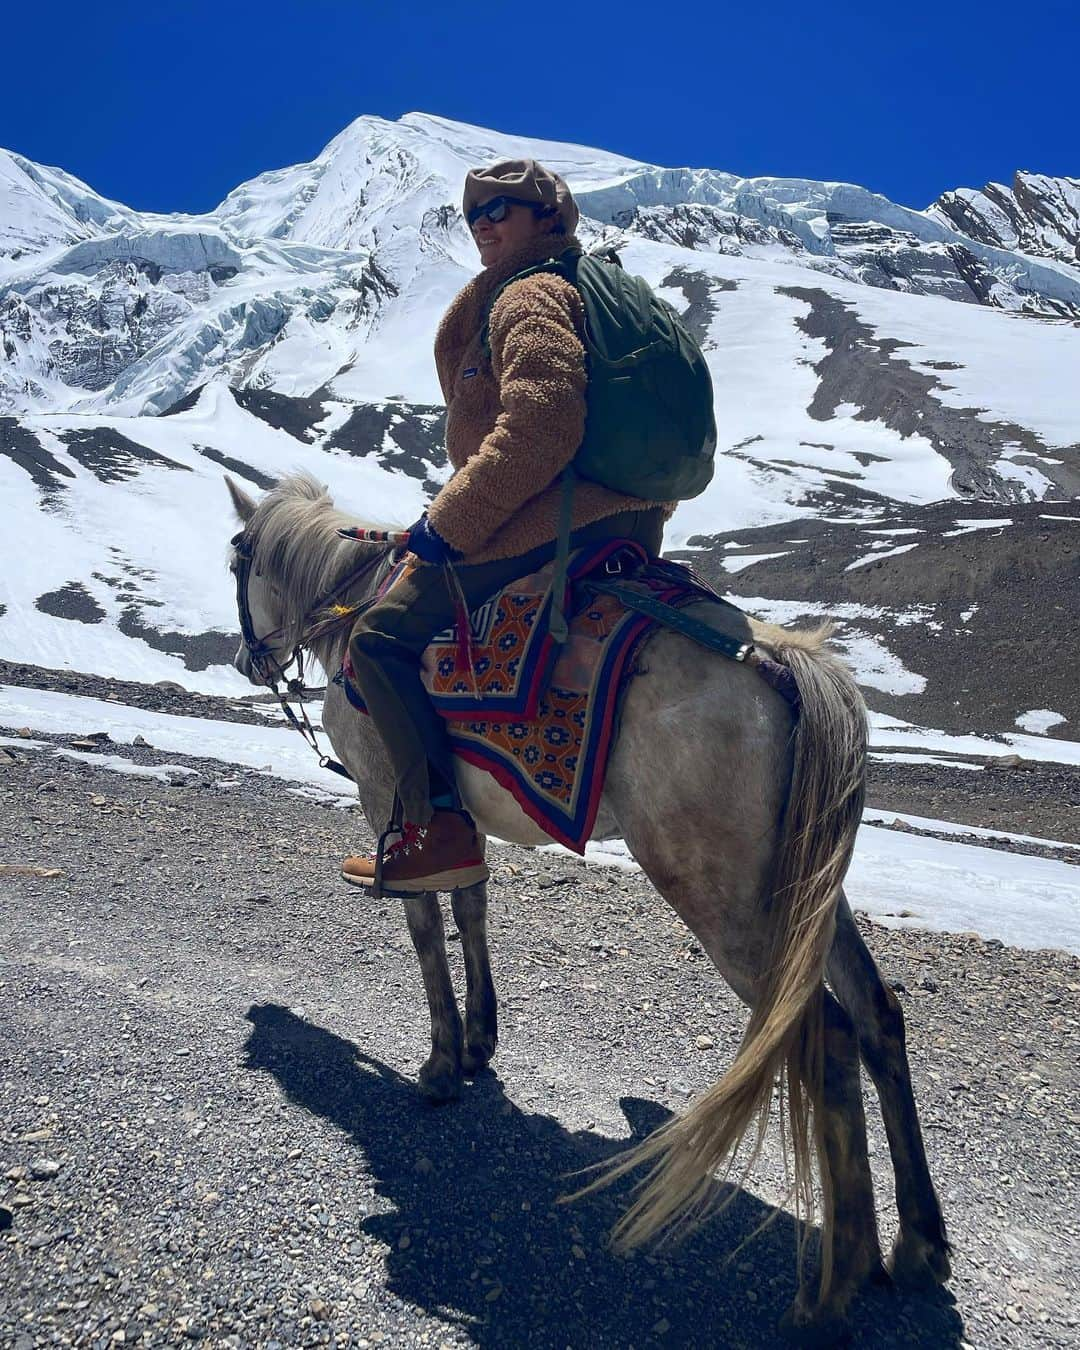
[921, 1252]
[481, 1016]
[440, 1076]
[849, 1188]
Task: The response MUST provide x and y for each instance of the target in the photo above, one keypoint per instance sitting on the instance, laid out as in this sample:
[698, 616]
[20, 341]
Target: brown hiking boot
[444, 856]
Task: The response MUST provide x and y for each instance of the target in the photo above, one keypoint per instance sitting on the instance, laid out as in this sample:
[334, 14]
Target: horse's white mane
[295, 540]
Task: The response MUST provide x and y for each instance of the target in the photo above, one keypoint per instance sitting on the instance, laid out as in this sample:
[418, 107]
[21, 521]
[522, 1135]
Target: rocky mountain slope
[876, 368]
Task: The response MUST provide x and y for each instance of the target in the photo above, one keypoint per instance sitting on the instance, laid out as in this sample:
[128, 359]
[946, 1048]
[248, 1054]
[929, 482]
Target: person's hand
[428, 544]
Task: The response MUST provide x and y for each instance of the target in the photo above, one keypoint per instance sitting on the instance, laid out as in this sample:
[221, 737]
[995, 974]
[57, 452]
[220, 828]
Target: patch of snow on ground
[1020, 371]
[872, 816]
[790, 611]
[165, 773]
[1039, 720]
[873, 557]
[911, 881]
[748, 560]
[276, 750]
[891, 733]
[907, 880]
[1025, 901]
[876, 667]
[762, 365]
[969, 526]
[902, 757]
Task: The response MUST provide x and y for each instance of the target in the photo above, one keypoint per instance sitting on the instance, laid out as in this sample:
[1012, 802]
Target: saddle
[541, 716]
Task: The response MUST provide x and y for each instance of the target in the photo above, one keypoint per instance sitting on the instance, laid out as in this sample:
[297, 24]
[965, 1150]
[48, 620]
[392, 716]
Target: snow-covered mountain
[869, 360]
[1038, 215]
[305, 277]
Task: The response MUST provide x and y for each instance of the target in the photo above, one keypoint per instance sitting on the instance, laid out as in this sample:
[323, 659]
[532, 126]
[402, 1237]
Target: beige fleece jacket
[513, 423]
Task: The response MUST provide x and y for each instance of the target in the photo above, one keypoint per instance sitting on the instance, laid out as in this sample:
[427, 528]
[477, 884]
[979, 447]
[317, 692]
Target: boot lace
[411, 835]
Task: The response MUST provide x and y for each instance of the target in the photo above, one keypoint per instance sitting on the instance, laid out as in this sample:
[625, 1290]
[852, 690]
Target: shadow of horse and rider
[492, 1251]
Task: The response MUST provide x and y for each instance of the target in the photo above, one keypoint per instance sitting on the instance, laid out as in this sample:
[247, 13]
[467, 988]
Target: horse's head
[266, 645]
[296, 560]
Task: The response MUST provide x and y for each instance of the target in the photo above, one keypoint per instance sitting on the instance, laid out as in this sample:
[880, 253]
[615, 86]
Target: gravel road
[209, 1129]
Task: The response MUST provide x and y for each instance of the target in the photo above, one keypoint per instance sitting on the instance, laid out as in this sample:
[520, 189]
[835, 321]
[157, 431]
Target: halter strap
[267, 666]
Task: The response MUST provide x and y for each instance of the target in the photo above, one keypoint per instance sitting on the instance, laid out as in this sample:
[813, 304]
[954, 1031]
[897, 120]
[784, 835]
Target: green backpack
[649, 426]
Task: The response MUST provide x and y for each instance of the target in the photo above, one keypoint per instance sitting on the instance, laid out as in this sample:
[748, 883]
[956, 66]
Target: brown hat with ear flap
[522, 178]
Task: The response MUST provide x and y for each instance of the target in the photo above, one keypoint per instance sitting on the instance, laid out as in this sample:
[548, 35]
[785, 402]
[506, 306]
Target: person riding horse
[515, 416]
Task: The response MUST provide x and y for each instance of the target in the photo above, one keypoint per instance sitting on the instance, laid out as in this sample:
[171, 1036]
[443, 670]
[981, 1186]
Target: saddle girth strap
[776, 675]
[674, 618]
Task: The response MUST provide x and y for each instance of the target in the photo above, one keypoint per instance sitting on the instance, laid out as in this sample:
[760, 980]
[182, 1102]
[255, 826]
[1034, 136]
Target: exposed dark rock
[987, 616]
[72, 601]
[706, 227]
[417, 430]
[285, 412]
[1038, 215]
[896, 260]
[420, 434]
[237, 467]
[161, 696]
[184, 404]
[700, 292]
[863, 368]
[198, 650]
[23, 448]
[364, 432]
[111, 456]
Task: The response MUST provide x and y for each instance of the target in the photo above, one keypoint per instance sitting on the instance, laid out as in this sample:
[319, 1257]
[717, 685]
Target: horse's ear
[243, 504]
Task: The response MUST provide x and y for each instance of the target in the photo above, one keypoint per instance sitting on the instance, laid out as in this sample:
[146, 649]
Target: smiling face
[518, 226]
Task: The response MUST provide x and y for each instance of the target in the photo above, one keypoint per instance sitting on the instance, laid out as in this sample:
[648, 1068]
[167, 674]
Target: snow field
[898, 878]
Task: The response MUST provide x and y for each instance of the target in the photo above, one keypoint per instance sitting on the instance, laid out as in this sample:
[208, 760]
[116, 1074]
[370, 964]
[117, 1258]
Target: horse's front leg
[440, 1076]
[481, 1014]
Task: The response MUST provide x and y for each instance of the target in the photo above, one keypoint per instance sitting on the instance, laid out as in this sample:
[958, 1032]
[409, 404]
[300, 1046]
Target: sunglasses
[498, 208]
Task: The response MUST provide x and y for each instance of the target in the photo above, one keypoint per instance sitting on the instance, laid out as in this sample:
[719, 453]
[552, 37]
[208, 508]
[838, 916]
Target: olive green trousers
[388, 640]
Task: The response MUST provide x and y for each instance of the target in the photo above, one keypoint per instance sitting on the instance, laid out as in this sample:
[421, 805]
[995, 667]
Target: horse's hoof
[814, 1328]
[916, 1263]
[440, 1081]
[879, 1277]
[477, 1055]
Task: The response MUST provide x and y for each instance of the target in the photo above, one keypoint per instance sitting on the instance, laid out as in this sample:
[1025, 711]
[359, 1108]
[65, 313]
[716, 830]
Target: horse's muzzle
[244, 664]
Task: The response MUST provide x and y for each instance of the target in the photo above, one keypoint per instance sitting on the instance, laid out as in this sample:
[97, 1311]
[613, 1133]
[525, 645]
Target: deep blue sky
[169, 106]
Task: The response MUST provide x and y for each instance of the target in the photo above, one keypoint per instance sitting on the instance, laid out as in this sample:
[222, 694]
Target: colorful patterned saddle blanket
[539, 717]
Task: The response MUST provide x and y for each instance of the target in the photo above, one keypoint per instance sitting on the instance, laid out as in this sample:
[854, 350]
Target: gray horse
[745, 825]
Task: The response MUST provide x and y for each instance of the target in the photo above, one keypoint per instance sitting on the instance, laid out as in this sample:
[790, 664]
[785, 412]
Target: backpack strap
[557, 625]
[563, 264]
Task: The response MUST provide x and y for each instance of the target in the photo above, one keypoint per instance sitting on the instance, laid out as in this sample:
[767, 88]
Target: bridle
[261, 651]
[266, 664]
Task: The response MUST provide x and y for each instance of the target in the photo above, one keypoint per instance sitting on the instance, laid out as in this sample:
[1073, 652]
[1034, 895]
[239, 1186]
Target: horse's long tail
[785, 1039]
